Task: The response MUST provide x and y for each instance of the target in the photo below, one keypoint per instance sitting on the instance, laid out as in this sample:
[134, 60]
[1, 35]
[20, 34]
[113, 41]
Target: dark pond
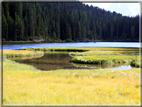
[53, 61]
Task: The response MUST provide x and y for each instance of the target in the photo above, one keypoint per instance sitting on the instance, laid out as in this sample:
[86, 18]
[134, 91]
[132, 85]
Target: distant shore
[25, 42]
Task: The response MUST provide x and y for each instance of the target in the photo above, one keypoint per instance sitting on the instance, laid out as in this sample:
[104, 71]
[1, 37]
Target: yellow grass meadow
[24, 84]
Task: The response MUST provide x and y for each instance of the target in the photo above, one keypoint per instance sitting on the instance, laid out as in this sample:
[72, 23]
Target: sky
[126, 9]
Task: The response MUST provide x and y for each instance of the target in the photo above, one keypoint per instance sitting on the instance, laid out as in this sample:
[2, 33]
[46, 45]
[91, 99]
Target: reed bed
[24, 84]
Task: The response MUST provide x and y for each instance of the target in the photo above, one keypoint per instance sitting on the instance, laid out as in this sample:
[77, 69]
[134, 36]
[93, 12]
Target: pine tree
[100, 32]
[68, 32]
[58, 30]
[54, 35]
[94, 35]
[83, 33]
[19, 9]
[46, 28]
[10, 27]
[19, 28]
[79, 31]
[31, 22]
[4, 28]
[132, 34]
[26, 27]
[111, 32]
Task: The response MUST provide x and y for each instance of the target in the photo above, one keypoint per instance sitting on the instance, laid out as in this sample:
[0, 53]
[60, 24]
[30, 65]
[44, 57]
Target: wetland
[64, 75]
[62, 60]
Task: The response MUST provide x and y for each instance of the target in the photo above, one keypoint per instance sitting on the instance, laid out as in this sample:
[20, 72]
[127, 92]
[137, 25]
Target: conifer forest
[65, 22]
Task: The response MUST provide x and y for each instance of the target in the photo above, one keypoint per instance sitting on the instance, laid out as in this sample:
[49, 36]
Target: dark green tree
[31, 22]
[19, 9]
[26, 27]
[58, 30]
[83, 33]
[4, 28]
[54, 35]
[132, 34]
[111, 32]
[10, 27]
[94, 35]
[79, 31]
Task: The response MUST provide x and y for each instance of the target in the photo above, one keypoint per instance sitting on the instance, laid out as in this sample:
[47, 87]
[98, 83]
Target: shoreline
[32, 42]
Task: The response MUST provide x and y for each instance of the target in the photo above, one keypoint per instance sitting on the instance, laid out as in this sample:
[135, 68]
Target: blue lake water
[76, 44]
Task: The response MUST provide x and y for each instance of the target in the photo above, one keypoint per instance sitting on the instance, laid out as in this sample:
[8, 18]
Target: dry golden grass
[23, 84]
[21, 53]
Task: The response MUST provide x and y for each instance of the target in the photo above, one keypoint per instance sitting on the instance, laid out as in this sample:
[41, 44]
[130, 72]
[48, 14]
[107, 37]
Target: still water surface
[53, 61]
[76, 44]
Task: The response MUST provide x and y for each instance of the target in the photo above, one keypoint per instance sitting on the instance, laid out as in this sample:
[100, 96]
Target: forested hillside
[65, 22]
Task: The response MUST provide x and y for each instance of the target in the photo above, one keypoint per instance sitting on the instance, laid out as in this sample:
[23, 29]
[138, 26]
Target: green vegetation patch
[136, 63]
[101, 55]
[104, 59]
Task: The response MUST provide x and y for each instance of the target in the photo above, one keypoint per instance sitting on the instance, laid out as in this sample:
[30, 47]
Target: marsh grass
[116, 49]
[56, 49]
[21, 53]
[104, 59]
[104, 56]
[96, 52]
[24, 84]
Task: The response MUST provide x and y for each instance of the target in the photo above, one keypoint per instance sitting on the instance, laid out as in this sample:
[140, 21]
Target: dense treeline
[64, 22]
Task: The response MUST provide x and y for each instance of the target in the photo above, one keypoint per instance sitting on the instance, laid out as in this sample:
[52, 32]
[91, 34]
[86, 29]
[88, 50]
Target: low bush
[136, 63]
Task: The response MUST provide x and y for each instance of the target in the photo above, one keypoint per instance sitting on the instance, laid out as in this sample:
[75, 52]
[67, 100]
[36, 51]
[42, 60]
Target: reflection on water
[50, 61]
[53, 61]
[94, 66]
[123, 67]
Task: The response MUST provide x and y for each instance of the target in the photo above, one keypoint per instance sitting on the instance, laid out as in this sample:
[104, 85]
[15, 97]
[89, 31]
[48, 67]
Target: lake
[76, 44]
